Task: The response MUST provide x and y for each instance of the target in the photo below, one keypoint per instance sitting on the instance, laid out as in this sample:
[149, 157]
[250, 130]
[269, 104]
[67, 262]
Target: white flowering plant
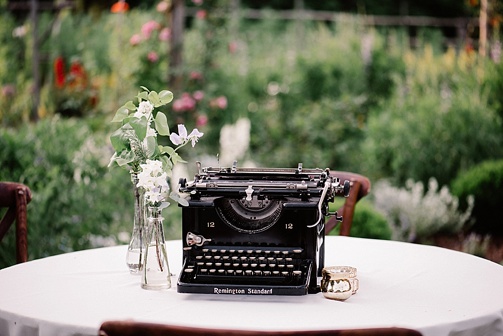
[135, 142]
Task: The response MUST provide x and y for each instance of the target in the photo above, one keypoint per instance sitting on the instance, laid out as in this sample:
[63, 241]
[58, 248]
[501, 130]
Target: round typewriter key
[275, 272]
[267, 272]
[221, 271]
[285, 252]
[204, 270]
[258, 272]
[218, 264]
[253, 265]
[188, 270]
[248, 272]
[223, 251]
[263, 265]
[249, 251]
[205, 250]
[297, 251]
[244, 265]
[213, 270]
[217, 257]
[258, 251]
[297, 273]
[235, 264]
[209, 264]
[227, 264]
[199, 257]
[285, 273]
[239, 272]
[230, 272]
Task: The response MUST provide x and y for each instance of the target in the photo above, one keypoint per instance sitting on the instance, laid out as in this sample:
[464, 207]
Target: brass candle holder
[339, 282]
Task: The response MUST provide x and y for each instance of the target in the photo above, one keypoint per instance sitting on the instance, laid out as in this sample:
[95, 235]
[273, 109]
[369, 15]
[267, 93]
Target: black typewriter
[255, 231]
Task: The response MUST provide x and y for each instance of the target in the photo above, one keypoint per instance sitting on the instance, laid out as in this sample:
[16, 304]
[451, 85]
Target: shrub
[416, 214]
[484, 182]
[438, 122]
[368, 223]
[75, 196]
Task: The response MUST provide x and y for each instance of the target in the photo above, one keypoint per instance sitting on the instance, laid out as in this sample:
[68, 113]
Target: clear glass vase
[136, 248]
[156, 274]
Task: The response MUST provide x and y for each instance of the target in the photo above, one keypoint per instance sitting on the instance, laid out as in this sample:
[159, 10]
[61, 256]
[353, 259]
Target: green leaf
[130, 106]
[167, 150]
[175, 158]
[154, 98]
[142, 96]
[165, 97]
[119, 140]
[124, 158]
[176, 197]
[151, 147]
[121, 114]
[161, 124]
[140, 127]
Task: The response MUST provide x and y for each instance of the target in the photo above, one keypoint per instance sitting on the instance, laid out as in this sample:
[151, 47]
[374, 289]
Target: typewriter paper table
[433, 290]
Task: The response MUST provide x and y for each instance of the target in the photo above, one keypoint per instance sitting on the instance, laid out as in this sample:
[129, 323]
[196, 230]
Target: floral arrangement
[137, 149]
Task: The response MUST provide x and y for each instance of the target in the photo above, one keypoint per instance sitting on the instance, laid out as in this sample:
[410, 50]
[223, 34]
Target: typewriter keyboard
[281, 269]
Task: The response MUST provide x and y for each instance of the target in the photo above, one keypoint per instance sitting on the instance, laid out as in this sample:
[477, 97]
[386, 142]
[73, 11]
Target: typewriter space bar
[243, 280]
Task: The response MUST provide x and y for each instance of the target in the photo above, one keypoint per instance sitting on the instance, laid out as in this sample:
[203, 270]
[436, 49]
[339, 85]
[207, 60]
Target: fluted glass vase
[136, 248]
[155, 274]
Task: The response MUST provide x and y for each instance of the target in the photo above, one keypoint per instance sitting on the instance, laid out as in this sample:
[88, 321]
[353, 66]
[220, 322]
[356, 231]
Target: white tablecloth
[433, 290]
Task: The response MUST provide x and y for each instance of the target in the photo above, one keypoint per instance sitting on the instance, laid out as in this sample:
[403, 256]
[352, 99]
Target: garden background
[418, 109]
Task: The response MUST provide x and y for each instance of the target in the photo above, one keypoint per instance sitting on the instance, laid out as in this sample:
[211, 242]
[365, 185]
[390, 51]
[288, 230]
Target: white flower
[182, 137]
[144, 109]
[154, 181]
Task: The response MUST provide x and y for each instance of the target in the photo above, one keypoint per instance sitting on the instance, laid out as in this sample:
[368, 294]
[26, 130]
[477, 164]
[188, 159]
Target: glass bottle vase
[156, 273]
[136, 248]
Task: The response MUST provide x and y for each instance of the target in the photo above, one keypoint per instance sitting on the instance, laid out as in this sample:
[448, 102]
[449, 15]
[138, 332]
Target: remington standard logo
[249, 291]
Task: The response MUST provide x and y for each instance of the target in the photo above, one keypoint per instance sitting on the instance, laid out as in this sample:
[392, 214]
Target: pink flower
[201, 120]
[201, 14]
[135, 39]
[8, 90]
[153, 57]
[197, 2]
[198, 95]
[165, 34]
[233, 47]
[219, 102]
[185, 103]
[162, 6]
[149, 27]
[196, 75]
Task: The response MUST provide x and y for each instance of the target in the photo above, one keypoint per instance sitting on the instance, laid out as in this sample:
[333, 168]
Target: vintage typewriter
[256, 231]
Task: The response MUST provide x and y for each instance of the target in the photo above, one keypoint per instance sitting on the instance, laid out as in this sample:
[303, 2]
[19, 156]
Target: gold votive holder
[339, 282]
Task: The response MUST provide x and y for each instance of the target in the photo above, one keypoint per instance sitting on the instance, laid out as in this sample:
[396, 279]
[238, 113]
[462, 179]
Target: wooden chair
[15, 197]
[132, 328]
[360, 187]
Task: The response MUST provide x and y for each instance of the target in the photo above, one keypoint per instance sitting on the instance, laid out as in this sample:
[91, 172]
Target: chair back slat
[15, 198]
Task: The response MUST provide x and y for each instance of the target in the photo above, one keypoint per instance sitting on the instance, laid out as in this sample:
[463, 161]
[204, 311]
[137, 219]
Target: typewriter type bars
[255, 231]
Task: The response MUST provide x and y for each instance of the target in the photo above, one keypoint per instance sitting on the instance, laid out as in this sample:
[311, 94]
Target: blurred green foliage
[485, 182]
[340, 95]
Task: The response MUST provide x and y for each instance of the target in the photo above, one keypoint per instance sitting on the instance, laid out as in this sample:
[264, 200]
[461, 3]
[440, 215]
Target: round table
[430, 289]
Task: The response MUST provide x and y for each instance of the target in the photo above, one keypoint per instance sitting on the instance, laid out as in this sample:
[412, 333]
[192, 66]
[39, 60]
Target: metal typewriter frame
[259, 212]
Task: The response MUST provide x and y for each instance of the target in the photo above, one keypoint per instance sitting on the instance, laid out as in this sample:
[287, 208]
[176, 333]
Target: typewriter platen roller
[255, 231]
